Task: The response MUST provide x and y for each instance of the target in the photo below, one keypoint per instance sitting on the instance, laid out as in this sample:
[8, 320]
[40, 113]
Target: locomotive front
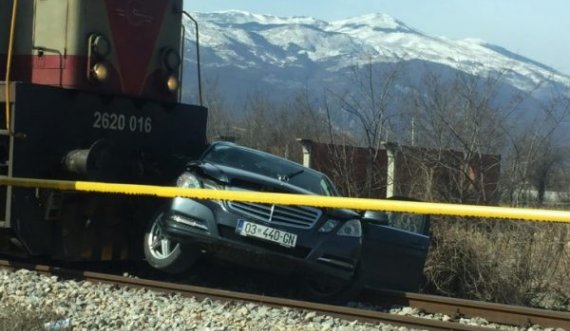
[92, 89]
[128, 47]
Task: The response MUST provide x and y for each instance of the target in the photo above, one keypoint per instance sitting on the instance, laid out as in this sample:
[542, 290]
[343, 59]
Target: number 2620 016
[121, 122]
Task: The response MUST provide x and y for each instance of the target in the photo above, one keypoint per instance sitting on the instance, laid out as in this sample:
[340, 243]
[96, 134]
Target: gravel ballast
[88, 306]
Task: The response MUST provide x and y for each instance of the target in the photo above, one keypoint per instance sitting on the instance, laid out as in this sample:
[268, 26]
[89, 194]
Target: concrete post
[307, 145]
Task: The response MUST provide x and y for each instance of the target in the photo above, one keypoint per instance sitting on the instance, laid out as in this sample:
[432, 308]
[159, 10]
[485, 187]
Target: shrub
[520, 263]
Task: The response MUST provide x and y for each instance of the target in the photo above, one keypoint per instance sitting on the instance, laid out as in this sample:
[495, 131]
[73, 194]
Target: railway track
[492, 312]
[455, 308]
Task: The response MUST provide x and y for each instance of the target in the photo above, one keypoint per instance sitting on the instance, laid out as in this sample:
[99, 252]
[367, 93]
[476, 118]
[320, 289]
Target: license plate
[249, 229]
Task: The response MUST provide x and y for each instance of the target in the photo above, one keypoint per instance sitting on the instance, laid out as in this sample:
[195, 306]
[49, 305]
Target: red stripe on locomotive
[135, 25]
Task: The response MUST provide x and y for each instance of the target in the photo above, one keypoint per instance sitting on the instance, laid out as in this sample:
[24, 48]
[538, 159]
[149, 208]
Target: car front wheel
[326, 290]
[165, 254]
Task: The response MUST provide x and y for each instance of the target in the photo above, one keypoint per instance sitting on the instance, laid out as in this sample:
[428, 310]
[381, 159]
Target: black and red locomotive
[90, 90]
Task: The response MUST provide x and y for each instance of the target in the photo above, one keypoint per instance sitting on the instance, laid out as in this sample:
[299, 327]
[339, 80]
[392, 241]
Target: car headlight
[350, 228]
[188, 180]
[328, 226]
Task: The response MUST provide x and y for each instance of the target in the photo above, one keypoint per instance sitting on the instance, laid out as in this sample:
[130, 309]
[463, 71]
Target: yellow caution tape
[413, 207]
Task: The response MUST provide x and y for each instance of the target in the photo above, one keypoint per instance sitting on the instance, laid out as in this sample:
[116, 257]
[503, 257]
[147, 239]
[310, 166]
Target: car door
[394, 251]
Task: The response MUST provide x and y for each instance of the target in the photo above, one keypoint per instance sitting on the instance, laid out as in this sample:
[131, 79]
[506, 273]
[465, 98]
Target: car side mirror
[376, 217]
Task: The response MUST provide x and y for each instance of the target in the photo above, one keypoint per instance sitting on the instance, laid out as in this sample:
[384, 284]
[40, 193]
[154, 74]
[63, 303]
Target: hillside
[245, 53]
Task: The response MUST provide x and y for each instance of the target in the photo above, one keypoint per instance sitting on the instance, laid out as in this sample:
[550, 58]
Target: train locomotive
[90, 91]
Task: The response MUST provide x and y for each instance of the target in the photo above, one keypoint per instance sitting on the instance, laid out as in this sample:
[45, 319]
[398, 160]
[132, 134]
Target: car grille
[289, 216]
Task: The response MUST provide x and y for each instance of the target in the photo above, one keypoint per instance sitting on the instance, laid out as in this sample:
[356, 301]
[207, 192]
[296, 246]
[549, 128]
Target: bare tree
[274, 127]
[221, 123]
[459, 125]
[368, 105]
[536, 159]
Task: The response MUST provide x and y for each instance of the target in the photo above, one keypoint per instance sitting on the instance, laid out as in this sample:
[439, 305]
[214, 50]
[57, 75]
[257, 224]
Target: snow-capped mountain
[244, 53]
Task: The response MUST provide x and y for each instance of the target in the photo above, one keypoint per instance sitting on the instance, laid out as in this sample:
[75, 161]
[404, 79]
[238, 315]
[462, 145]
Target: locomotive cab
[91, 92]
[115, 46]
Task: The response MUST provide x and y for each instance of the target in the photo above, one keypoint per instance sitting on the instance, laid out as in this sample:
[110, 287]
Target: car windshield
[270, 166]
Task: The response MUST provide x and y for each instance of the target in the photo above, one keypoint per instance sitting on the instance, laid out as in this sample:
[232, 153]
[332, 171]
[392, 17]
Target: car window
[327, 187]
[407, 222]
[313, 183]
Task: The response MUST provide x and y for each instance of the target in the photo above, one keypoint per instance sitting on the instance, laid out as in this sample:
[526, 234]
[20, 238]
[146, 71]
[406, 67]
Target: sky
[537, 29]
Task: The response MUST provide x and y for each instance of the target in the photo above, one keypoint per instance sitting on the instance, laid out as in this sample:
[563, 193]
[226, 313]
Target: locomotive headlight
[100, 45]
[170, 59]
[100, 72]
[172, 83]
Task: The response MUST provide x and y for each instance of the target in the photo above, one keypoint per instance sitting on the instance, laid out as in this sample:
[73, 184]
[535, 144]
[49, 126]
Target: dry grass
[518, 263]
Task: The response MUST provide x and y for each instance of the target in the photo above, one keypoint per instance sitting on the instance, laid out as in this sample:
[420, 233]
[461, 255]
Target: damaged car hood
[251, 181]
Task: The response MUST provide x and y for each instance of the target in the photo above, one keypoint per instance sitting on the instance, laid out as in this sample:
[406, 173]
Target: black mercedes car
[333, 251]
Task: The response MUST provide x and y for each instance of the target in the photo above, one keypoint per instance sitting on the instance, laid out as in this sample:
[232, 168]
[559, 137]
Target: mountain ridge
[292, 52]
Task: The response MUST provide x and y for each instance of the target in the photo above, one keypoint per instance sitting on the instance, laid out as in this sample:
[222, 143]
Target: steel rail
[430, 208]
[492, 312]
[346, 313]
